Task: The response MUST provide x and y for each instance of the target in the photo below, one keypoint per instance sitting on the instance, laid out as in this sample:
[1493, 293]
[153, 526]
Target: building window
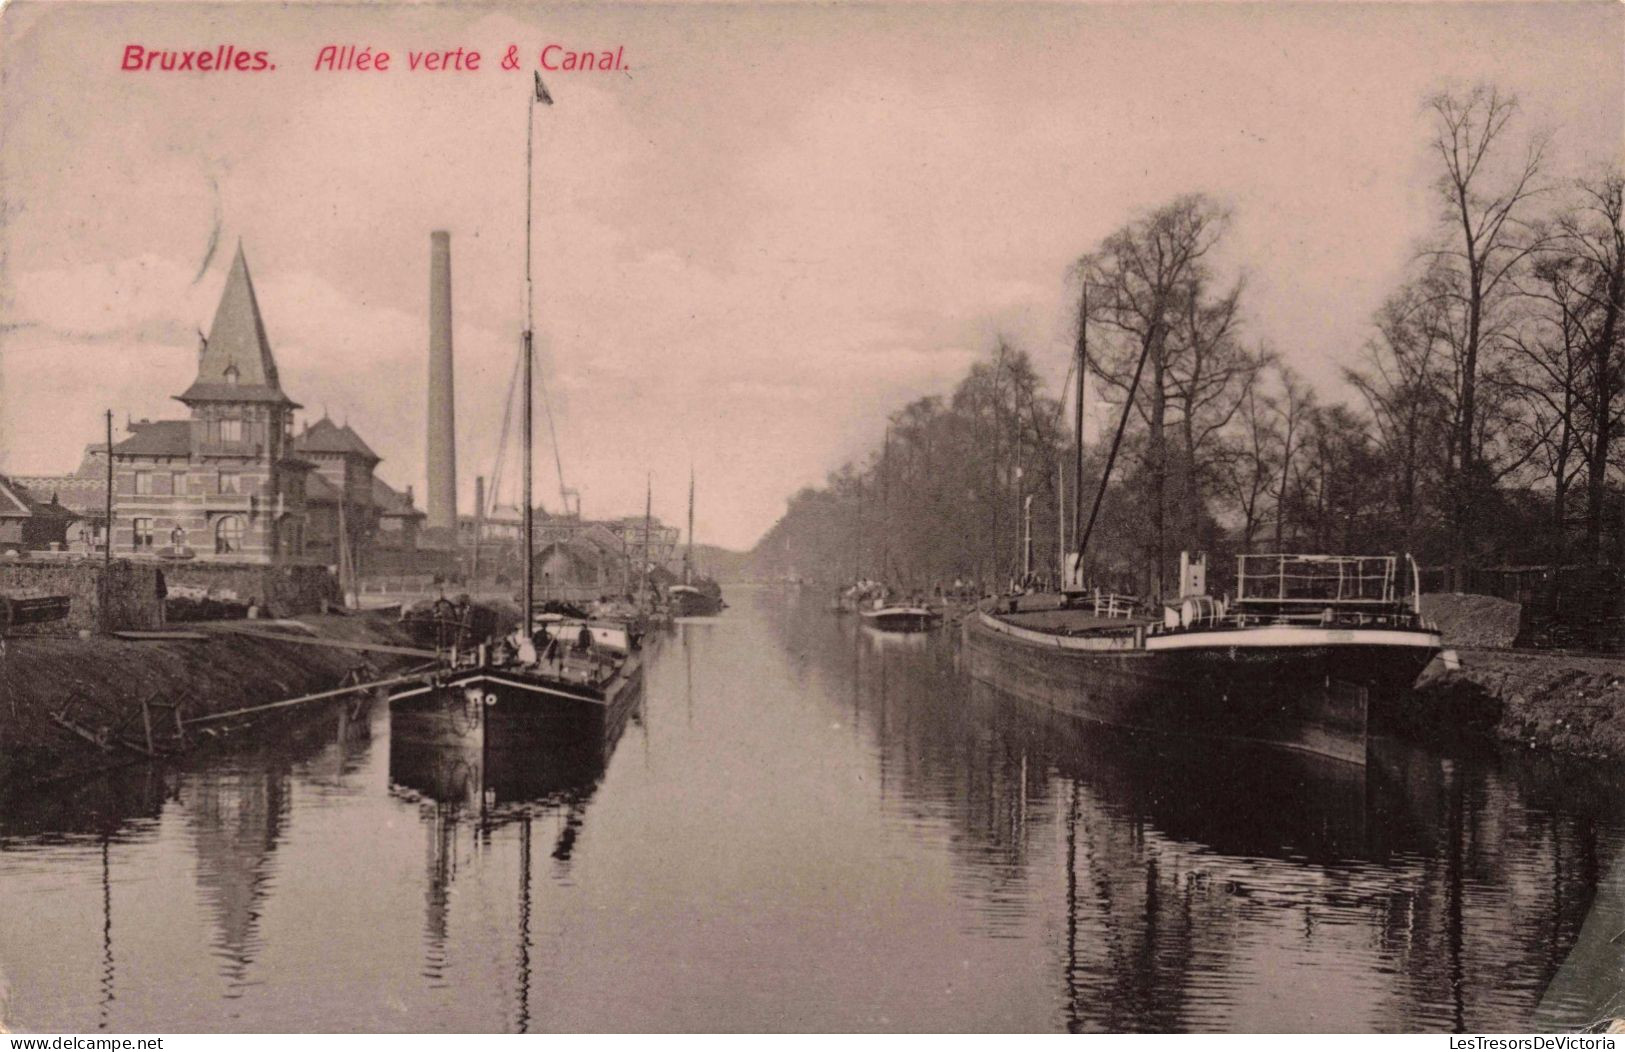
[143, 482]
[228, 535]
[231, 430]
[230, 483]
[231, 375]
[143, 532]
[178, 482]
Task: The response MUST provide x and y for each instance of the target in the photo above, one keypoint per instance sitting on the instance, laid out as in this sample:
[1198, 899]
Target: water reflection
[235, 818]
[484, 789]
[809, 826]
[1205, 884]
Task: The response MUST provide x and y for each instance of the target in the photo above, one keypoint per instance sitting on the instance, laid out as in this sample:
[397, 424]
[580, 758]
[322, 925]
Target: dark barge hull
[1312, 698]
[493, 708]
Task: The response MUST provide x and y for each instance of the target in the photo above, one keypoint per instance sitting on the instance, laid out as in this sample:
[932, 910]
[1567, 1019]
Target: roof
[94, 463]
[236, 364]
[157, 438]
[320, 490]
[324, 436]
[17, 502]
[79, 494]
[202, 392]
[13, 501]
[389, 501]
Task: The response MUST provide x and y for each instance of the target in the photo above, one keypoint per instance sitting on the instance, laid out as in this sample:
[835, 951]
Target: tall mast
[648, 522]
[1077, 423]
[688, 557]
[107, 532]
[857, 536]
[885, 508]
[528, 527]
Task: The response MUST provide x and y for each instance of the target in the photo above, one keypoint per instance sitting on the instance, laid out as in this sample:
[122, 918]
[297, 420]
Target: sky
[777, 224]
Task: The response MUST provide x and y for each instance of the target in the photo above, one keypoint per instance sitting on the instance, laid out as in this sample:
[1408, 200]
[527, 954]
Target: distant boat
[696, 596]
[695, 600]
[899, 617]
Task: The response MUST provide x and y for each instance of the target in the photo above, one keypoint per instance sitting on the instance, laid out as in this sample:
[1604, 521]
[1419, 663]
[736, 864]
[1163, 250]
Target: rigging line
[493, 498]
[553, 436]
[1060, 406]
[1117, 439]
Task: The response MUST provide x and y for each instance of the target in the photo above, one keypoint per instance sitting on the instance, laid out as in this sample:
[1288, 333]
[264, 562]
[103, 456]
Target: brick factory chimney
[442, 459]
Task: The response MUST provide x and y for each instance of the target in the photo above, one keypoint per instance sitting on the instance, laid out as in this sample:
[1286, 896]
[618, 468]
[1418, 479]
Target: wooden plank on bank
[157, 635]
[302, 699]
[337, 644]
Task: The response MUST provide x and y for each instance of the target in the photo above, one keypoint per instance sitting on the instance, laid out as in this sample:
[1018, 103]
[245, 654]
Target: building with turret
[235, 482]
[227, 483]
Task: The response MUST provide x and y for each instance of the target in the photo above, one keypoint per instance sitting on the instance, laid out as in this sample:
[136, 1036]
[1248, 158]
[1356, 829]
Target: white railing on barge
[1345, 582]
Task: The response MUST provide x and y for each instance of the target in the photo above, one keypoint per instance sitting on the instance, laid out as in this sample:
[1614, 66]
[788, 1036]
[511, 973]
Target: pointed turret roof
[236, 364]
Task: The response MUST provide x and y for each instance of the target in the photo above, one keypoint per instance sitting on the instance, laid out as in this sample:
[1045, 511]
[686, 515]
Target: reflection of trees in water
[236, 818]
[1445, 891]
[120, 804]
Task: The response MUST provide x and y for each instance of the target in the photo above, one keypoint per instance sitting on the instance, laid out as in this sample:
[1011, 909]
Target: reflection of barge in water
[1293, 661]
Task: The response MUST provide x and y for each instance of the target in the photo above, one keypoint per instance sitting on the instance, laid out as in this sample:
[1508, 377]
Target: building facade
[225, 484]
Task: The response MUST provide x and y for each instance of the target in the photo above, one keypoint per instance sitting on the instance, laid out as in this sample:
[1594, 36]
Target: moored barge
[1292, 661]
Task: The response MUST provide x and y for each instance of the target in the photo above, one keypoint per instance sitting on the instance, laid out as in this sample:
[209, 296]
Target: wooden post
[107, 531]
[146, 724]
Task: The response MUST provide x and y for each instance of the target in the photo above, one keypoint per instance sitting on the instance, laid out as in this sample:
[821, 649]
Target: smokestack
[442, 502]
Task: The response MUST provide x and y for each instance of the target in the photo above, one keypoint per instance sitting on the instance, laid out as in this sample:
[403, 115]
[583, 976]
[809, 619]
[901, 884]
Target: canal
[804, 826]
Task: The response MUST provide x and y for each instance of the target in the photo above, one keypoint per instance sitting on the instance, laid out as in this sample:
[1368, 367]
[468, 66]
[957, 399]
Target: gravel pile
[1473, 620]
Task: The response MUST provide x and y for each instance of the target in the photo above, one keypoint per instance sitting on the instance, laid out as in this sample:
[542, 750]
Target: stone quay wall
[123, 595]
[129, 594]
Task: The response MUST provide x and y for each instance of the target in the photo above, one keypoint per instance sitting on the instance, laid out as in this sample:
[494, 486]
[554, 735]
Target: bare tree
[1251, 452]
[1292, 411]
[1593, 237]
[1405, 384]
[1485, 214]
[1148, 269]
[1209, 375]
[1551, 348]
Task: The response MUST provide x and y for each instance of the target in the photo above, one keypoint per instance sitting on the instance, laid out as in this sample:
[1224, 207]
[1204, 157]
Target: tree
[1292, 411]
[1250, 452]
[1150, 272]
[1209, 376]
[1485, 234]
[1405, 385]
[1592, 238]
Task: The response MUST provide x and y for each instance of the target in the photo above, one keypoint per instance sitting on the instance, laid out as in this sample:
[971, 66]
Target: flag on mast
[541, 91]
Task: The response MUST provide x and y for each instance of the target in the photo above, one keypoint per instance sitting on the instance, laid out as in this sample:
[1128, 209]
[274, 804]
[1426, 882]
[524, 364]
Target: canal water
[804, 826]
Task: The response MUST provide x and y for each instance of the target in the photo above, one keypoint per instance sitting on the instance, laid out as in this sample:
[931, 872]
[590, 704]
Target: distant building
[400, 522]
[663, 540]
[344, 489]
[84, 493]
[29, 524]
[572, 554]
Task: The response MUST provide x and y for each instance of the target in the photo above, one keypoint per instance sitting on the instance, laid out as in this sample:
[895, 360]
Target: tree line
[1479, 427]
